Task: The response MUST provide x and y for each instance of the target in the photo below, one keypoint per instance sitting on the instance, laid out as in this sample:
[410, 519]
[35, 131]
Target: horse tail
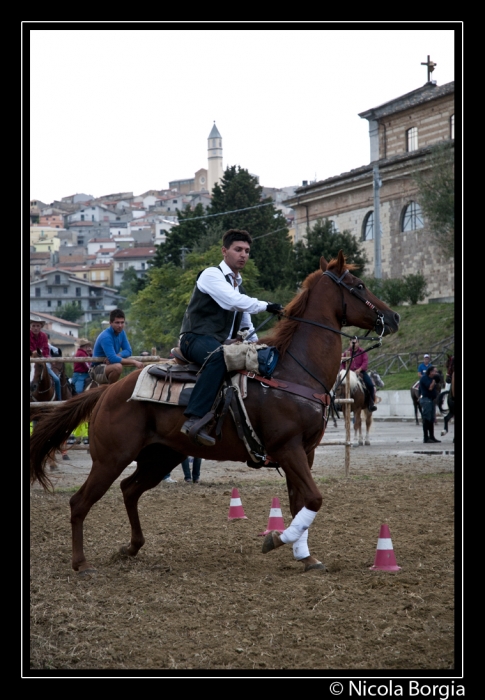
[53, 429]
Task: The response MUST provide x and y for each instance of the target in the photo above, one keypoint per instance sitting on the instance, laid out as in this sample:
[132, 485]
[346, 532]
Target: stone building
[402, 132]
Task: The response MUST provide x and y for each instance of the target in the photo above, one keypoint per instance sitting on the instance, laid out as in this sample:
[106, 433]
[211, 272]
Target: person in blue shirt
[113, 344]
[423, 366]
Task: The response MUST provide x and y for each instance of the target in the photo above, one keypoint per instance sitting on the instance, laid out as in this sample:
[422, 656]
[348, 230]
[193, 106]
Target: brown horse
[359, 406]
[289, 425]
[42, 393]
[42, 386]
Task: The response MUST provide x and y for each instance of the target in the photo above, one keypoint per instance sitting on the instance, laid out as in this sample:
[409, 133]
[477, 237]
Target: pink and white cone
[275, 520]
[236, 511]
[385, 559]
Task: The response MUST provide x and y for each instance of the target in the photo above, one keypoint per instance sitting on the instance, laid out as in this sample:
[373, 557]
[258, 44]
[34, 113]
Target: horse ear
[323, 264]
[341, 260]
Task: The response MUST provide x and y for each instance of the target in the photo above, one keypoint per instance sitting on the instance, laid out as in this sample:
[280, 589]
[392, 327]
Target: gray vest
[204, 316]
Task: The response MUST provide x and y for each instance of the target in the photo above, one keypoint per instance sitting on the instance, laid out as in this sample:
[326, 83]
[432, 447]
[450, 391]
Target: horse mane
[281, 335]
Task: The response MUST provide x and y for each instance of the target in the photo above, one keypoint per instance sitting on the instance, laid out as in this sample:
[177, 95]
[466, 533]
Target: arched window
[412, 139]
[452, 126]
[368, 227]
[412, 217]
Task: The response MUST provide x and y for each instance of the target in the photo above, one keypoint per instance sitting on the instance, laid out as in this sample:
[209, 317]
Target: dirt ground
[200, 598]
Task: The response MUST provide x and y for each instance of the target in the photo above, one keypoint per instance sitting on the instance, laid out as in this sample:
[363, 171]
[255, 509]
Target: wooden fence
[387, 363]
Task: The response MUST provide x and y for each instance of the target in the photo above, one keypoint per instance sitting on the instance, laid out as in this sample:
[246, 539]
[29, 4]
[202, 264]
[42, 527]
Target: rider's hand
[274, 308]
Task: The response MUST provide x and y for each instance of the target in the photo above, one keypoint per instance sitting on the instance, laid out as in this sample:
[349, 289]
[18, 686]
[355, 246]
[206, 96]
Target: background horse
[359, 407]
[42, 387]
[448, 395]
[288, 413]
[42, 390]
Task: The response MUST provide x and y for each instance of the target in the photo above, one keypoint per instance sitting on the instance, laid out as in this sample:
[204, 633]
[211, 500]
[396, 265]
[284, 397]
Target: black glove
[274, 308]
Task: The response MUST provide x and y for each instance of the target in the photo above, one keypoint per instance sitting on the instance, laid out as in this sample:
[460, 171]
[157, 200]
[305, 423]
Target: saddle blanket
[161, 389]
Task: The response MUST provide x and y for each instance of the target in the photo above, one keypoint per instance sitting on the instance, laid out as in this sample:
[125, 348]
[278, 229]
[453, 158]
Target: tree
[323, 239]
[130, 285]
[239, 202]
[437, 196]
[69, 312]
[181, 238]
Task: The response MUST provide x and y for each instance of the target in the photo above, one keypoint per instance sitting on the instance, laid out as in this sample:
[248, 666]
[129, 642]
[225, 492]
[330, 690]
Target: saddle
[171, 382]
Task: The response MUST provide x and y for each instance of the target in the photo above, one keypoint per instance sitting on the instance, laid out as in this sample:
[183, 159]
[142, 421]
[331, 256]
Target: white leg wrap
[300, 547]
[299, 524]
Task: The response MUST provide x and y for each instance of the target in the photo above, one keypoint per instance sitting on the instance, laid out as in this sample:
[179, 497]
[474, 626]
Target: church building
[401, 132]
[204, 179]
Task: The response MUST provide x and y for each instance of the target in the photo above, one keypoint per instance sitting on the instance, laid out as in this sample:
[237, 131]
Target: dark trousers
[369, 384]
[196, 348]
[195, 476]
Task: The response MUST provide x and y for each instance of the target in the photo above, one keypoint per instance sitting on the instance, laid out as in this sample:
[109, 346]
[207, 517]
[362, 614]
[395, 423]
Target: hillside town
[81, 246]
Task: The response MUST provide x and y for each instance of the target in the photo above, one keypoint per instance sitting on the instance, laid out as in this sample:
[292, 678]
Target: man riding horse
[359, 364]
[39, 347]
[218, 308]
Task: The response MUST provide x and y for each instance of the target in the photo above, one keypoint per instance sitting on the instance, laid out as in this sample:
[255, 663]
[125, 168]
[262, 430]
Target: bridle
[379, 322]
[43, 391]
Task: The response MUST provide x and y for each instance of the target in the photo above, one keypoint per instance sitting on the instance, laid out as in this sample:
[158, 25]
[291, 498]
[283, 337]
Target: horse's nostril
[397, 318]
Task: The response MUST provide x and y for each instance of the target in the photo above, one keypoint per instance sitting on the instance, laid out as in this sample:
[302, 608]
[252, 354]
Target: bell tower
[214, 155]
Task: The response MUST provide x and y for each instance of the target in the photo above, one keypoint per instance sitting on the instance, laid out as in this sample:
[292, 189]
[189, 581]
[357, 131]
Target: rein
[354, 292]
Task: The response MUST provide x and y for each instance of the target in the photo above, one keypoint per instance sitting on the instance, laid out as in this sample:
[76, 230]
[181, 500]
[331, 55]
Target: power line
[223, 213]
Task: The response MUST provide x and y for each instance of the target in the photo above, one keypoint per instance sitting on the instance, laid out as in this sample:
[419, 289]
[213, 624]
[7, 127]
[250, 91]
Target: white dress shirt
[212, 282]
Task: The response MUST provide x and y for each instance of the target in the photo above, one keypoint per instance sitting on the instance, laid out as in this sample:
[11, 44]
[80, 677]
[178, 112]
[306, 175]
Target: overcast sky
[128, 109]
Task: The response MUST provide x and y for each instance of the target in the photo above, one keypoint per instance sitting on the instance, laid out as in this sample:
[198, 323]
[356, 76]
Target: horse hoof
[318, 566]
[443, 432]
[86, 572]
[361, 442]
[367, 442]
[271, 541]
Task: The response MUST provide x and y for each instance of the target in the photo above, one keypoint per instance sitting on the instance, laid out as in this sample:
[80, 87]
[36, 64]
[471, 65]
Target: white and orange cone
[385, 559]
[236, 511]
[275, 520]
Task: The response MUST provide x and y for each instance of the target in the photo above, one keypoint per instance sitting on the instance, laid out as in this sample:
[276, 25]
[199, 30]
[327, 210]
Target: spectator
[428, 392]
[81, 369]
[424, 365]
[113, 344]
[39, 347]
[195, 476]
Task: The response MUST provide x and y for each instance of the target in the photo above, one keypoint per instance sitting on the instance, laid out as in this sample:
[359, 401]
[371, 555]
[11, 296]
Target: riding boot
[372, 406]
[426, 430]
[431, 433]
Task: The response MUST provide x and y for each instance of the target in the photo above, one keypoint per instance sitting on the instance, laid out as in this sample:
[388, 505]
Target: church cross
[431, 67]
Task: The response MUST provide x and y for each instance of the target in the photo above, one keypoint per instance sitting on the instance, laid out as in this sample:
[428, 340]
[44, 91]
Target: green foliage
[69, 312]
[130, 286]
[322, 239]
[415, 287]
[395, 291]
[238, 198]
[437, 196]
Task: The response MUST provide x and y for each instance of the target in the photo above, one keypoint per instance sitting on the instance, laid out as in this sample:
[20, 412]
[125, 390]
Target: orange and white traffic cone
[236, 511]
[275, 520]
[385, 559]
